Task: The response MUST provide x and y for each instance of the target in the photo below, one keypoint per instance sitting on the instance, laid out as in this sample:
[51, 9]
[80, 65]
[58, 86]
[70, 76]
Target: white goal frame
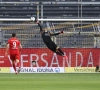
[29, 19]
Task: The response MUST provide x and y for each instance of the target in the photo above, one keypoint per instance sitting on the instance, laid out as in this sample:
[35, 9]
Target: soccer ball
[32, 18]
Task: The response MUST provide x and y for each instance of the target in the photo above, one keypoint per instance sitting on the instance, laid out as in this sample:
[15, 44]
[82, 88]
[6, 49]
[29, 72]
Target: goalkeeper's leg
[58, 50]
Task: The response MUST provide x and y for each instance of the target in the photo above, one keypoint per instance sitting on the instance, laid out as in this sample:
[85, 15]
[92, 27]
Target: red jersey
[14, 45]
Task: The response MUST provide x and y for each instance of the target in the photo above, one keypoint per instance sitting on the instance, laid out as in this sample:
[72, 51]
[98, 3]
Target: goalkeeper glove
[61, 31]
[35, 20]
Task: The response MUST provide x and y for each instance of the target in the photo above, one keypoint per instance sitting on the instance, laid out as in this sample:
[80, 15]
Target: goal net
[80, 42]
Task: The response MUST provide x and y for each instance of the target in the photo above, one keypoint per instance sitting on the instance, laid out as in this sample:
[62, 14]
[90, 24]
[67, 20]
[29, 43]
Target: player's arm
[20, 47]
[39, 26]
[37, 22]
[56, 33]
[7, 48]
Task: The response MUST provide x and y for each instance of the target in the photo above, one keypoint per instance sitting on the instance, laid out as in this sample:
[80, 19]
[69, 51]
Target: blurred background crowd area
[77, 34]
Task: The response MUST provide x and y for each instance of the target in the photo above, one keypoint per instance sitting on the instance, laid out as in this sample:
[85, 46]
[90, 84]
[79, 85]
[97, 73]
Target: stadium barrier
[4, 69]
[80, 69]
[81, 57]
[40, 70]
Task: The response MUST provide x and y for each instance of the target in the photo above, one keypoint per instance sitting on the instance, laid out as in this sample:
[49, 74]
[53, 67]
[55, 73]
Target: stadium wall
[81, 60]
[78, 57]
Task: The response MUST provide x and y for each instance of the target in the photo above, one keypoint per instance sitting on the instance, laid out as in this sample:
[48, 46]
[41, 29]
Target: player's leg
[53, 47]
[17, 62]
[12, 57]
[62, 53]
[17, 57]
[59, 50]
[14, 65]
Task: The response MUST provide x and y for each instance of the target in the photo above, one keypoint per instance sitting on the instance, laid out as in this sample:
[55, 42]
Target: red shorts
[13, 57]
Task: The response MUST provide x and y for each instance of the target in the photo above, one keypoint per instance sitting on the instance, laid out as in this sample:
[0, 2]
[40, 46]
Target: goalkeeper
[46, 36]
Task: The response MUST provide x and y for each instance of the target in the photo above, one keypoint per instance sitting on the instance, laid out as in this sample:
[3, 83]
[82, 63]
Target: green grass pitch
[50, 81]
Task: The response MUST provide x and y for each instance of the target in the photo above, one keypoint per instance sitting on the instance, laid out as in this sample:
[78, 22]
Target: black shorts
[52, 46]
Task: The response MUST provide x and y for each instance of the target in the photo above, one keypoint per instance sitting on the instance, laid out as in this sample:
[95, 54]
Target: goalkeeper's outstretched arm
[40, 27]
[56, 33]
[37, 22]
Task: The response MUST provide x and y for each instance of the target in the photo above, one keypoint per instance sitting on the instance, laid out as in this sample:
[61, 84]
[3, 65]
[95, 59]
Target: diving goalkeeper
[46, 36]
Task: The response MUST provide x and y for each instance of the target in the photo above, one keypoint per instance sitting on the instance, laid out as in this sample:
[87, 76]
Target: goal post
[80, 42]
